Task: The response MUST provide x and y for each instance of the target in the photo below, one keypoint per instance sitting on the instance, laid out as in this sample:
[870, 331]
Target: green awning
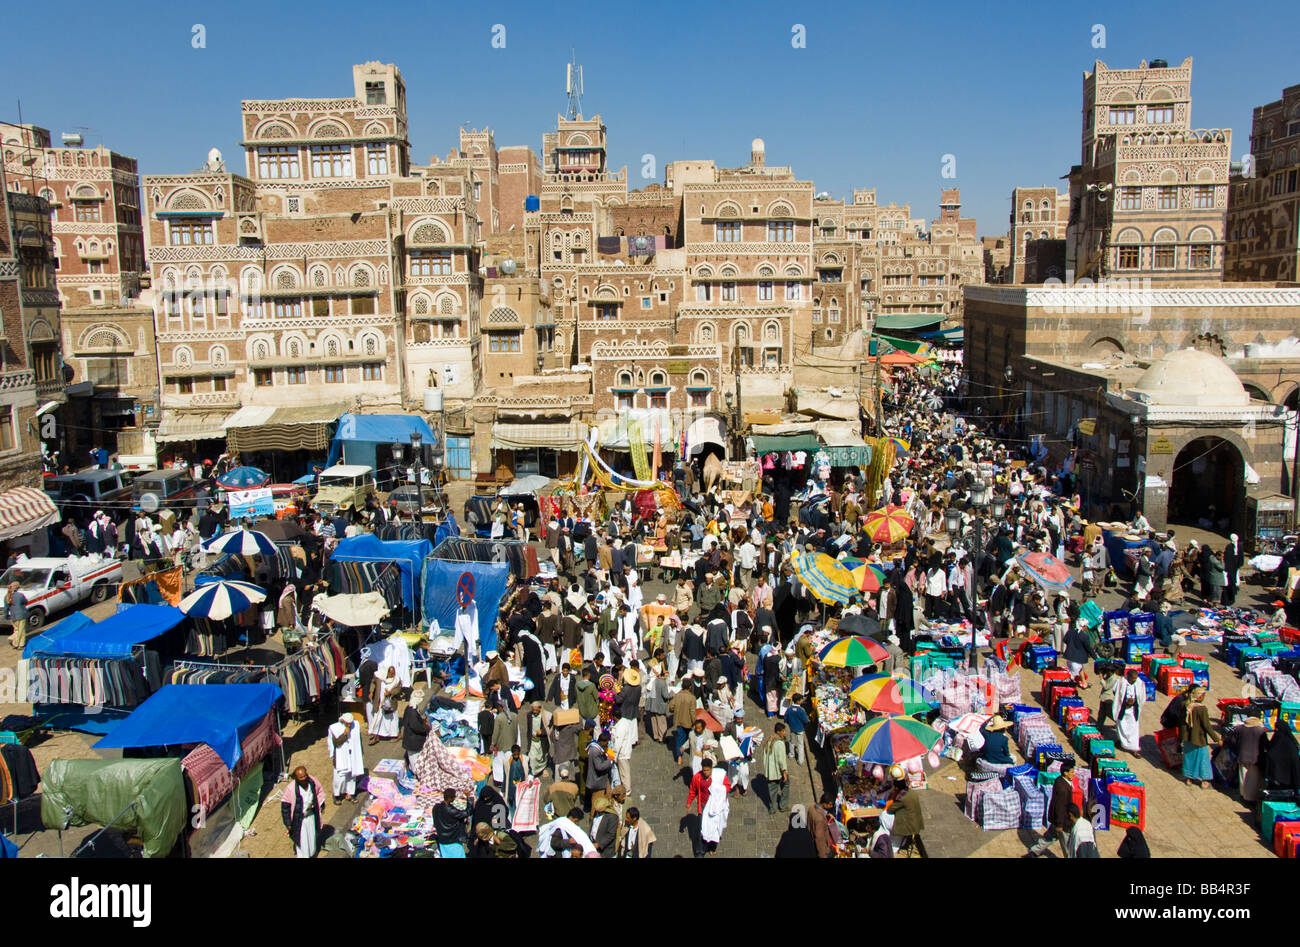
[908, 320]
[904, 345]
[776, 443]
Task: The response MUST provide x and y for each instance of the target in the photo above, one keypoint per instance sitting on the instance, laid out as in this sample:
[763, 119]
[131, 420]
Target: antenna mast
[573, 86]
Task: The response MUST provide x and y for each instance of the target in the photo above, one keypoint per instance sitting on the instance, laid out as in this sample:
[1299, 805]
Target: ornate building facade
[1149, 197]
[1264, 200]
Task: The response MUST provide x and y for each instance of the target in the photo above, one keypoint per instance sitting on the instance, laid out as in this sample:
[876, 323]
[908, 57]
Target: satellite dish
[508, 267]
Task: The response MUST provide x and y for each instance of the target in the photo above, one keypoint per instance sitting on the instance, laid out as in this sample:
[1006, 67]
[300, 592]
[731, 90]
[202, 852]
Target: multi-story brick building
[1264, 200]
[98, 242]
[284, 291]
[31, 368]
[1149, 196]
[1037, 214]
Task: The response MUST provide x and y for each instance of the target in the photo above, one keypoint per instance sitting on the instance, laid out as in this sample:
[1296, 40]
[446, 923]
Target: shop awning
[378, 429]
[911, 346]
[777, 443]
[844, 444]
[192, 427]
[297, 427]
[826, 404]
[556, 436]
[112, 637]
[614, 432]
[24, 510]
[703, 431]
[908, 320]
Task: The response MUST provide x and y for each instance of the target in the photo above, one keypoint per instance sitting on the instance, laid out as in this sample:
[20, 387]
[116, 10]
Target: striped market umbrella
[886, 694]
[1045, 569]
[890, 524]
[242, 542]
[852, 651]
[220, 600]
[889, 740]
[243, 478]
[869, 577]
[903, 447]
[828, 581]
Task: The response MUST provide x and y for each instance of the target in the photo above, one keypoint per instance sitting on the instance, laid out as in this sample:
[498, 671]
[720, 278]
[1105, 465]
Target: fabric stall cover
[779, 443]
[112, 637]
[441, 579]
[556, 436]
[170, 583]
[409, 554]
[368, 608]
[521, 557]
[95, 792]
[306, 427]
[377, 429]
[219, 715]
[24, 510]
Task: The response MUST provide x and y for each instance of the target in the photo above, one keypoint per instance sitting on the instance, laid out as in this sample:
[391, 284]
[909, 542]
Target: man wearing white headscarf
[345, 753]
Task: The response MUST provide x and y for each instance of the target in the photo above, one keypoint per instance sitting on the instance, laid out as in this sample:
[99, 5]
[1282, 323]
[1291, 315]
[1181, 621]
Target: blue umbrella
[242, 542]
[219, 600]
[244, 478]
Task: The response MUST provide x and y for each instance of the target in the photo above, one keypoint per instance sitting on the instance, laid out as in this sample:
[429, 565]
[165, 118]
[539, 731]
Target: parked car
[79, 495]
[52, 585]
[344, 487]
[160, 489]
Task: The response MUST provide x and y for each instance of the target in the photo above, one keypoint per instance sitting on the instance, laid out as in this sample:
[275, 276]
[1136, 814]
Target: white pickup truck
[52, 585]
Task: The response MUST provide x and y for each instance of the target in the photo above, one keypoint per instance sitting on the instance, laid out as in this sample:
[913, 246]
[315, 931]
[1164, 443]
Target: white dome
[1192, 377]
[757, 145]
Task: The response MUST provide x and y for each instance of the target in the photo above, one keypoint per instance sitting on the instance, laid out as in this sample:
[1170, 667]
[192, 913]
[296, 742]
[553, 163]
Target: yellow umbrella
[890, 524]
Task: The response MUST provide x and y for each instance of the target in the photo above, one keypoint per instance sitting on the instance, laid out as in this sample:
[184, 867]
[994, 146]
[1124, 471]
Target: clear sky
[876, 97]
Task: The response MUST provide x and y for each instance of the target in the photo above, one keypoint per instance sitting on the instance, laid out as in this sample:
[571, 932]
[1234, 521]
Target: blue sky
[877, 97]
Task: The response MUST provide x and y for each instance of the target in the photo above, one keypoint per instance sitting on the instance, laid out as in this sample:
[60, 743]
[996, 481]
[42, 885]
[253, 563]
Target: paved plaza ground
[1182, 821]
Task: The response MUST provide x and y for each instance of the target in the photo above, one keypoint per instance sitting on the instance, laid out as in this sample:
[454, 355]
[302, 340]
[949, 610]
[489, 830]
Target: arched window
[624, 379]
[658, 379]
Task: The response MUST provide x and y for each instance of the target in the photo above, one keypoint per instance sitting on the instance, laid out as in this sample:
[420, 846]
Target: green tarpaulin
[856, 456]
[96, 792]
[903, 345]
[908, 320]
[776, 443]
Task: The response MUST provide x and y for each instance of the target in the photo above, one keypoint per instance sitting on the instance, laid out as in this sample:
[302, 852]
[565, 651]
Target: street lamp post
[416, 442]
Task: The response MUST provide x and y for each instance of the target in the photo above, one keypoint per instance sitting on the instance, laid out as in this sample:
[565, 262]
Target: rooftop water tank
[532, 202]
[433, 399]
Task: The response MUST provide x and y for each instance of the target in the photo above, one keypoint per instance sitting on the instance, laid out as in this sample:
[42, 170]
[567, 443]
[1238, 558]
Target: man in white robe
[1130, 695]
[568, 830]
[345, 753]
[467, 632]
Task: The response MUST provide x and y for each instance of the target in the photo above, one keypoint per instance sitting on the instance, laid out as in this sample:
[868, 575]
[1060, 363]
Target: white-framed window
[766, 291]
[1123, 115]
[331, 161]
[780, 231]
[377, 159]
[703, 292]
[278, 161]
[190, 230]
[793, 291]
[1160, 114]
[430, 262]
[727, 231]
[728, 292]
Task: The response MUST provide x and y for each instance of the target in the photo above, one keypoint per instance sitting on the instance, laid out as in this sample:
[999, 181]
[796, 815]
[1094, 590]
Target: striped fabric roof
[24, 510]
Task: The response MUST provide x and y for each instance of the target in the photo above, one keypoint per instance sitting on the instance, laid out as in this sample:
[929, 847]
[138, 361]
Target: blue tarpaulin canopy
[483, 583]
[358, 434]
[110, 638]
[220, 715]
[409, 554]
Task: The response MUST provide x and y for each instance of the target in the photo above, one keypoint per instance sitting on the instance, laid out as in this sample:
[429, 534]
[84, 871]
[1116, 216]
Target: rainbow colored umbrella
[888, 525]
[902, 447]
[828, 581]
[886, 694]
[889, 740]
[852, 651]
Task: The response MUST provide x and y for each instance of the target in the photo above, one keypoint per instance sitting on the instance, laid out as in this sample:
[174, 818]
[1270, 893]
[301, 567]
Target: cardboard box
[563, 718]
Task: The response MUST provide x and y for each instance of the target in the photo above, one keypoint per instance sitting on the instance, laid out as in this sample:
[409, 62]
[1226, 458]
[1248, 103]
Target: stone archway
[1208, 483]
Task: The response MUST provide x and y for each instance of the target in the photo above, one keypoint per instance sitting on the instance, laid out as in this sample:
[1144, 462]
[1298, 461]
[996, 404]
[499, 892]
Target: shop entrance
[1208, 487]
